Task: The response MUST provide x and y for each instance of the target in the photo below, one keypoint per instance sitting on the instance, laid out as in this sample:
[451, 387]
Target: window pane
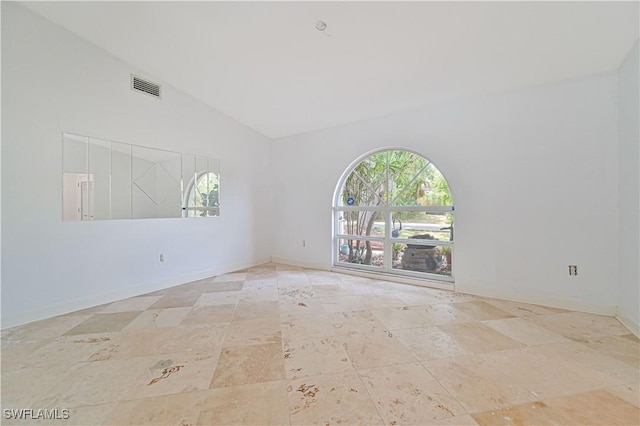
[366, 185]
[416, 224]
[369, 253]
[361, 223]
[431, 259]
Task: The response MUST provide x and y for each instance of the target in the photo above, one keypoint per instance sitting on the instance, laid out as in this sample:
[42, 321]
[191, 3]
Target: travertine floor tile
[595, 408]
[400, 318]
[374, 349]
[316, 356]
[531, 413]
[429, 343]
[253, 332]
[524, 331]
[104, 323]
[158, 318]
[240, 365]
[476, 337]
[178, 409]
[254, 404]
[331, 399]
[629, 393]
[408, 394]
[132, 304]
[176, 300]
[276, 344]
[209, 314]
[482, 311]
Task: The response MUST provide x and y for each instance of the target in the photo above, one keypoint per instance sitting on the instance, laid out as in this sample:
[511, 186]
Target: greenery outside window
[393, 213]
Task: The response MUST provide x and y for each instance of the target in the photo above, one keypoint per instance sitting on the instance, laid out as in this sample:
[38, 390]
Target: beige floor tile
[175, 373]
[464, 420]
[209, 314]
[253, 332]
[254, 404]
[477, 384]
[429, 343]
[253, 310]
[400, 318]
[331, 399]
[104, 323]
[600, 368]
[480, 310]
[545, 376]
[525, 331]
[476, 337]
[179, 409]
[240, 365]
[22, 388]
[180, 356]
[67, 351]
[580, 326]
[444, 313]
[260, 295]
[415, 298]
[523, 310]
[375, 349]
[93, 383]
[381, 301]
[629, 393]
[158, 318]
[45, 329]
[168, 340]
[214, 287]
[307, 325]
[176, 300]
[341, 304]
[595, 408]
[139, 303]
[408, 394]
[217, 298]
[316, 356]
[355, 322]
[531, 413]
[617, 347]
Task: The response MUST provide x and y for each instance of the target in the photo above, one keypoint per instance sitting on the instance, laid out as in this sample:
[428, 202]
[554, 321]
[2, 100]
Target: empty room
[296, 213]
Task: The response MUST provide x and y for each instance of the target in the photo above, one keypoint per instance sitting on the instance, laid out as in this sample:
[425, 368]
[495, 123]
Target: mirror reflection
[112, 180]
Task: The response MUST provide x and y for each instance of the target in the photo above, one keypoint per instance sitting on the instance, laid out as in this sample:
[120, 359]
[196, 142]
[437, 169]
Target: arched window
[203, 195]
[393, 213]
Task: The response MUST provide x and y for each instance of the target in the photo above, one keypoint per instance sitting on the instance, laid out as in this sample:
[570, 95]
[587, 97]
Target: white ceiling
[265, 64]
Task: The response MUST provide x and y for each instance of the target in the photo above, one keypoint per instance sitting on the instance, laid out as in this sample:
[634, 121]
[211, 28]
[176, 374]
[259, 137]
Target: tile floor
[282, 345]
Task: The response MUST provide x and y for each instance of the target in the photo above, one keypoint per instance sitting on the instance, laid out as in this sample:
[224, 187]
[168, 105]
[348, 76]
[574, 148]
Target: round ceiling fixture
[321, 25]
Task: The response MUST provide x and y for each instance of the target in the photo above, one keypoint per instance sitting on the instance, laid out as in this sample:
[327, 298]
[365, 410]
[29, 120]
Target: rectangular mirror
[113, 180]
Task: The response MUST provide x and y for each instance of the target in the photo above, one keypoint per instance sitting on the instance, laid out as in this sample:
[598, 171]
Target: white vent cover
[145, 86]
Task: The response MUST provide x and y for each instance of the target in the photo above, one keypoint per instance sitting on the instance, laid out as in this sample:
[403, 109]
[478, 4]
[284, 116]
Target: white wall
[533, 176]
[54, 82]
[629, 187]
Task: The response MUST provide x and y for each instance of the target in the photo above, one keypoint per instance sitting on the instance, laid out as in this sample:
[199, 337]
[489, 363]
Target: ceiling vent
[145, 86]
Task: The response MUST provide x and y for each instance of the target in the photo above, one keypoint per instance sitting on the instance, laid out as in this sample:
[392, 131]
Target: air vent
[145, 86]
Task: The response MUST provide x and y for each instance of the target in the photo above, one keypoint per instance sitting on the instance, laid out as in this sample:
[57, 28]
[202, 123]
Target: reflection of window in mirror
[103, 180]
[78, 196]
[203, 195]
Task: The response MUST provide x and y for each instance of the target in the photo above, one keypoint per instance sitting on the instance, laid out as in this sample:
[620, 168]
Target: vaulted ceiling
[266, 64]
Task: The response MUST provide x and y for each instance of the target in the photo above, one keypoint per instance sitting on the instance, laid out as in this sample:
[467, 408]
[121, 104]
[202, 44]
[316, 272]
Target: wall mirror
[104, 180]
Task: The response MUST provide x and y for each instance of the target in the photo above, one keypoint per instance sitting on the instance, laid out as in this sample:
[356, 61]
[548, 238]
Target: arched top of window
[203, 195]
[394, 178]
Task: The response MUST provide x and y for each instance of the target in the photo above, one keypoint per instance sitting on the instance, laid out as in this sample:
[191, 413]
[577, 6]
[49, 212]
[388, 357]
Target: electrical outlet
[573, 269]
[161, 257]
